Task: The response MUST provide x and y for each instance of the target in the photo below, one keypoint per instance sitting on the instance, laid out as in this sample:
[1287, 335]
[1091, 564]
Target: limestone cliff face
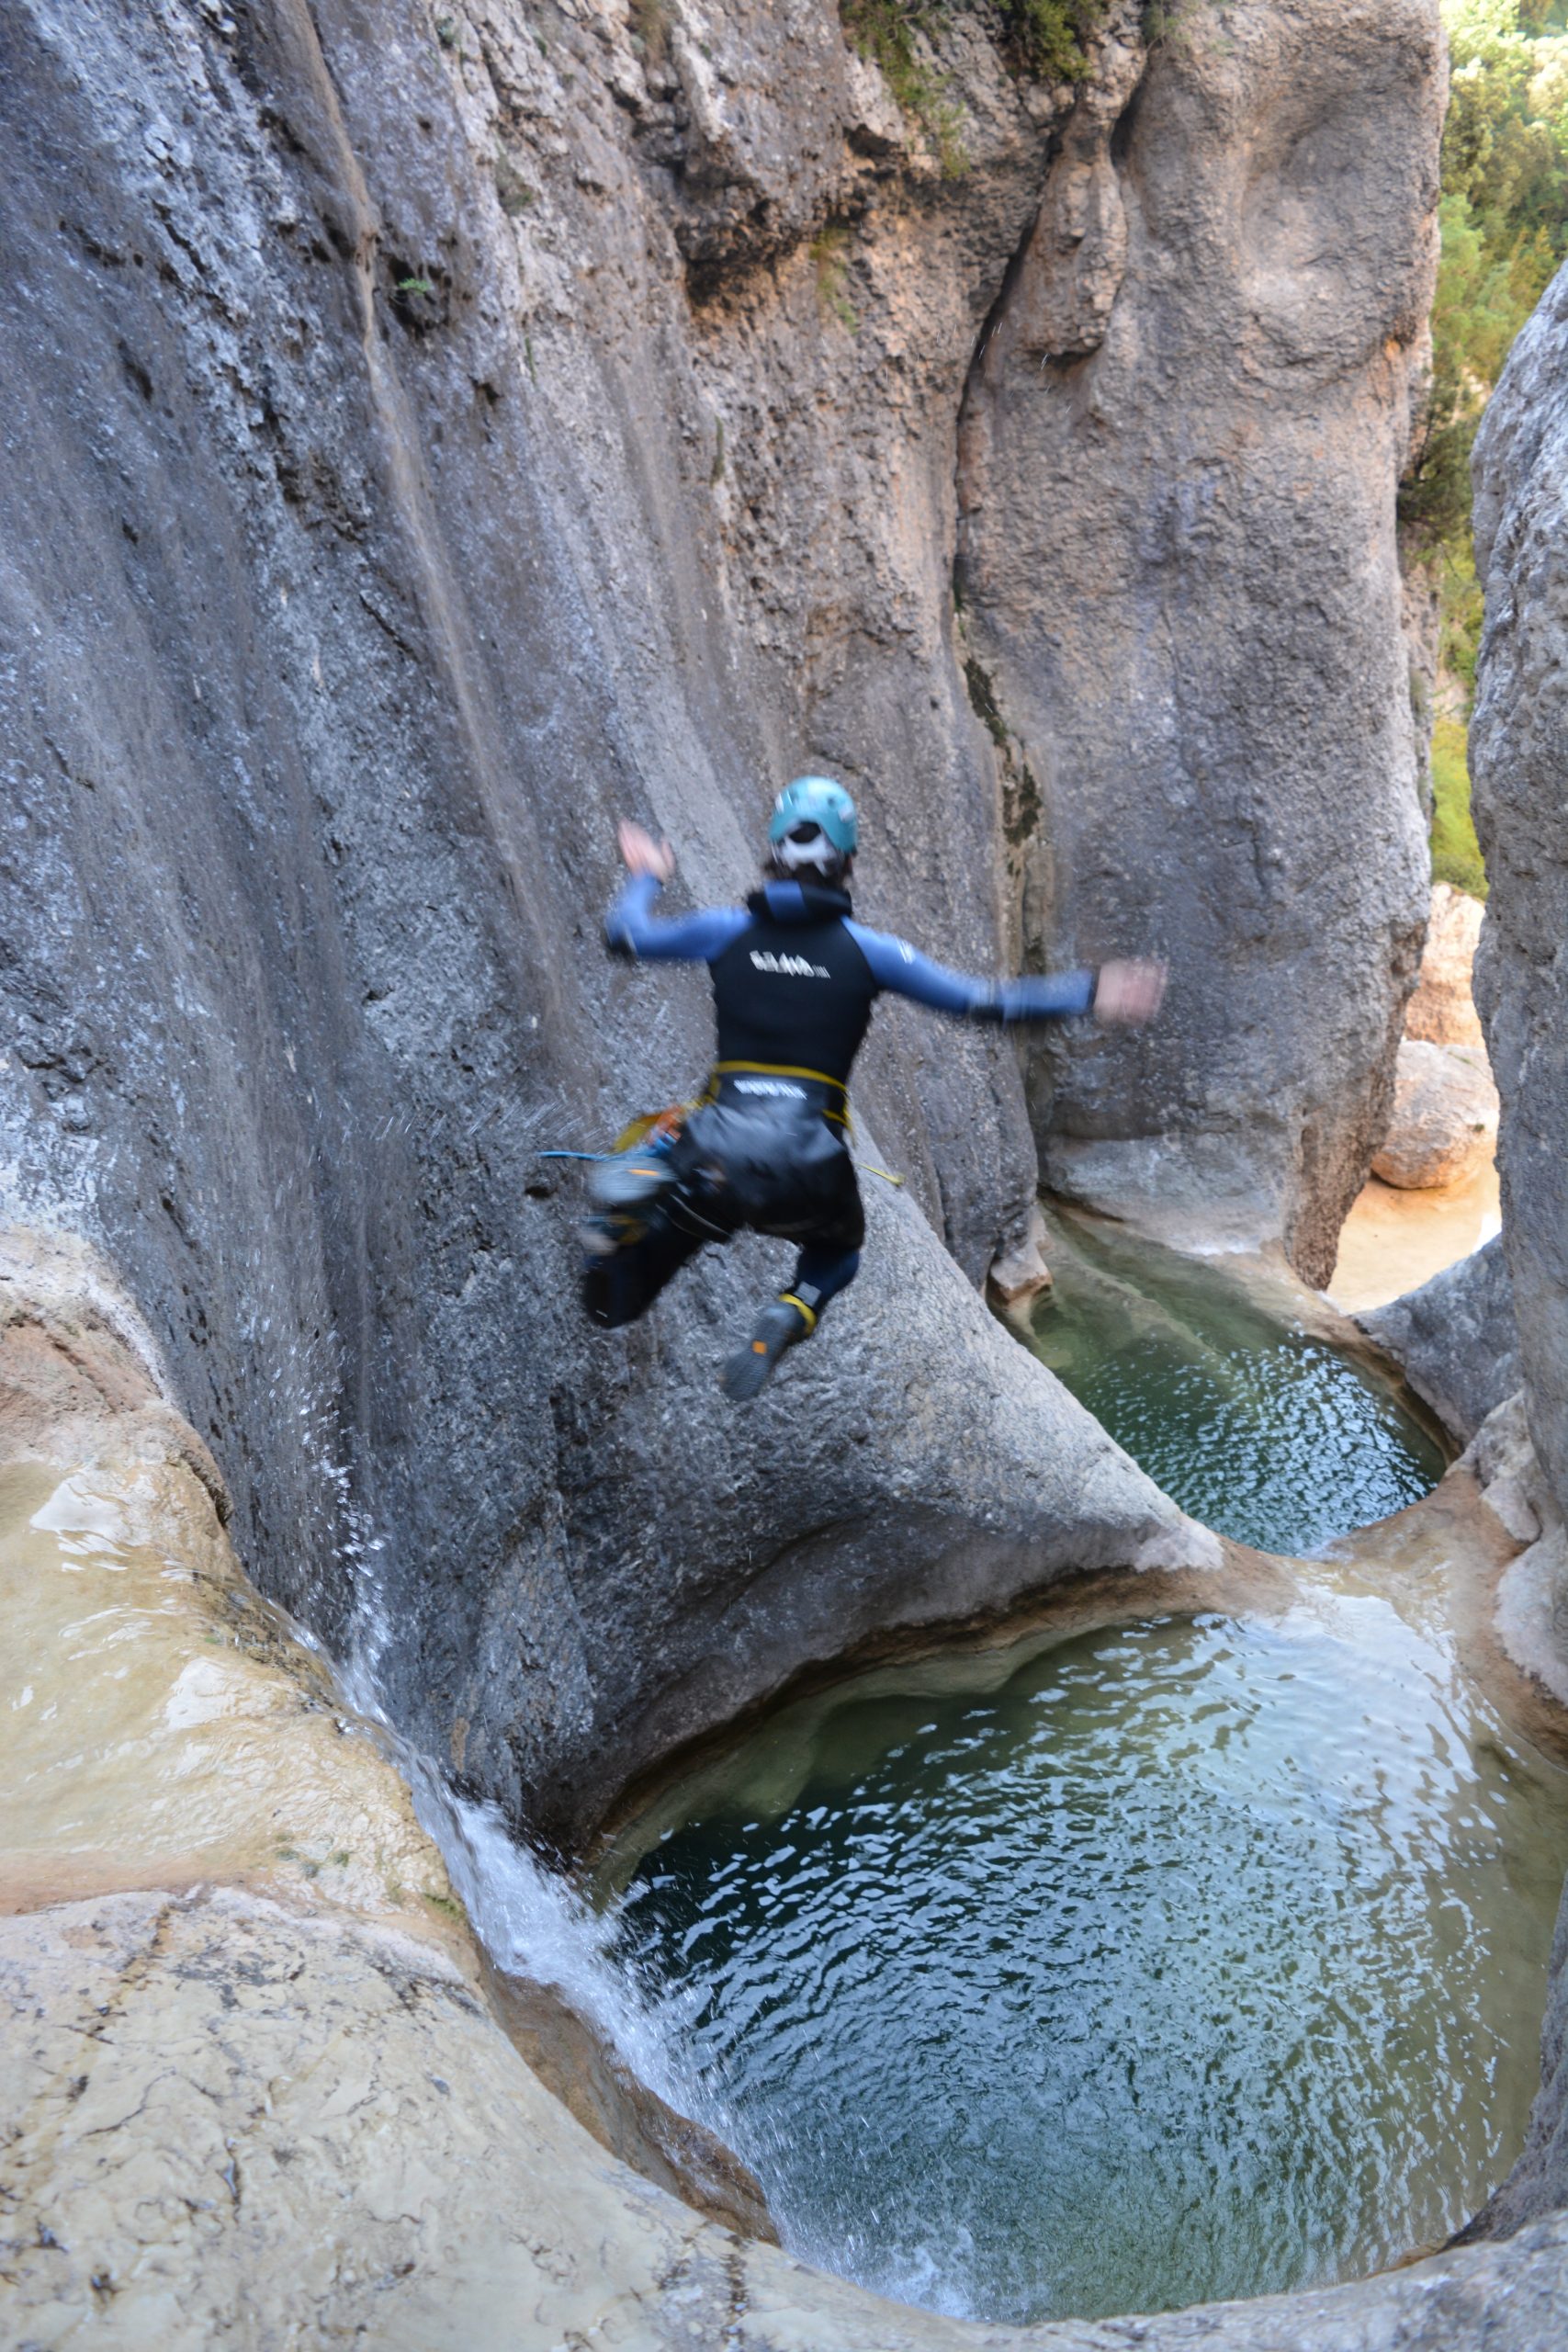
[1177, 561]
[1519, 760]
[430, 433]
[1520, 764]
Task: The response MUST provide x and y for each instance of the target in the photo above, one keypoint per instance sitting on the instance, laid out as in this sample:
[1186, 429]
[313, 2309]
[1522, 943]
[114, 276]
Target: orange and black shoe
[779, 1326]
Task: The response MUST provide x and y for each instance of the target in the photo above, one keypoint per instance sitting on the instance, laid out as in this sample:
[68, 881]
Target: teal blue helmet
[813, 823]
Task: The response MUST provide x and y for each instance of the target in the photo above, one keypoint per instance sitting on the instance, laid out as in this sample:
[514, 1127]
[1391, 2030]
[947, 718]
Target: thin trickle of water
[531, 1918]
[535, 1923]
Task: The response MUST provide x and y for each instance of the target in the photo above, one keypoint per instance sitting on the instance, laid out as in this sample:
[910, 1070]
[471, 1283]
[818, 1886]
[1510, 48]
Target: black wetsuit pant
[775, 1161]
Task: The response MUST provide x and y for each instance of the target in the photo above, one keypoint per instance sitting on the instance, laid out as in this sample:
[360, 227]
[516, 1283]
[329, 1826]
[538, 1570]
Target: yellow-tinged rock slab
[230, 2122]
[161, 1725]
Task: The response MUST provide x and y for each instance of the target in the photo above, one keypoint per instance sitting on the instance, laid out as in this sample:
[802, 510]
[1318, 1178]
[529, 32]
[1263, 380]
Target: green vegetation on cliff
[1505, 232]
[1043, 37]
[1456, 853]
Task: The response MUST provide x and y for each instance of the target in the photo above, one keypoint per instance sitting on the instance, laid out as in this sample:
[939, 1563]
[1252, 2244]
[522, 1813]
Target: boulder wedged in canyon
[1442, 1009]
[1443, 1126]
[1181, 595]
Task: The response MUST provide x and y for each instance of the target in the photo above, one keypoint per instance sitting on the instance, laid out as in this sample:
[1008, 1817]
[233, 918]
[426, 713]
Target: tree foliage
[1503, 219]
[1505, 230]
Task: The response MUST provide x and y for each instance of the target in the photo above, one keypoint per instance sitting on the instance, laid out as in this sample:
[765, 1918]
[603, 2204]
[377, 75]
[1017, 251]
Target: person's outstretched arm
[631, 928]
[1118, 991]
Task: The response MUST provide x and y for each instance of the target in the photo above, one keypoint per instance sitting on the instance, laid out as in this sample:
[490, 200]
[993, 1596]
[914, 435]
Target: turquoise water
[1247, 1420]
[1186, 1960]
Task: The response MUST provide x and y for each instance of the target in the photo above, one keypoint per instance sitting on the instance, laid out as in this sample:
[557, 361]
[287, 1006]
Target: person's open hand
[644, 855]
[1129, 992]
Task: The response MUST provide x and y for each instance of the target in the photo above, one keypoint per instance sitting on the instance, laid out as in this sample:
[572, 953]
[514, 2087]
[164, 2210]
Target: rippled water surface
[1178, 1961]
[1251, 1423]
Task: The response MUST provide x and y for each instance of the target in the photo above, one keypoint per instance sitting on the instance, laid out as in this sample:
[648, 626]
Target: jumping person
[793, 980]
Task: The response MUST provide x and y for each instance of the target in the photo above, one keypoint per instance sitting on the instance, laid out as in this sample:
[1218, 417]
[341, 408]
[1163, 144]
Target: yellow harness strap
[781, 1069]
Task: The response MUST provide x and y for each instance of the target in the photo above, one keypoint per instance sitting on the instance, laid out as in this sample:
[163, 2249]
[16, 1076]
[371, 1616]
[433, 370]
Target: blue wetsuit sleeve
[632, 929]
[904, 971]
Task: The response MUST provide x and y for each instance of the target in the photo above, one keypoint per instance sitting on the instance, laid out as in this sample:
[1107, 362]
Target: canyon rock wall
[1455, 1339]
[1519, 753]
[1177, 566]
[429, 434]
[1520, 764]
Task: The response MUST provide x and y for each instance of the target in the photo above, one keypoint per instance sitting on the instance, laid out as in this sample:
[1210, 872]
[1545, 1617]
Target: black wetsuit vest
[794, 995]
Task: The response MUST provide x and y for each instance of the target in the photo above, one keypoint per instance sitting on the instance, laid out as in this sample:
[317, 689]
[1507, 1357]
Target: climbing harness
[659, 1129]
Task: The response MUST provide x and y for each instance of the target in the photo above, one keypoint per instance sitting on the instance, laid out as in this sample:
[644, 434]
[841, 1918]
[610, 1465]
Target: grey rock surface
[1531, 1626]
[1181, 589]
[1520, 764]
[424, 440]
[1455, 1339]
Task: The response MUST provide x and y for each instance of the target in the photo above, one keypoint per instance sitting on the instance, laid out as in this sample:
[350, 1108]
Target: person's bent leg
[627, 1263]
[819, 1275]
[829, 1228]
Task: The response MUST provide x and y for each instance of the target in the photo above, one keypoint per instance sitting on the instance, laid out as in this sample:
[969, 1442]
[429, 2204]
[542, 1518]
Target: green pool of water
[1185, 1960]
[1246, 1419]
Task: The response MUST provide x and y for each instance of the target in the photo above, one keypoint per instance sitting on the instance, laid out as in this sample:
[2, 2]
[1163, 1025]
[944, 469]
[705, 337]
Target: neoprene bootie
[748, 1371]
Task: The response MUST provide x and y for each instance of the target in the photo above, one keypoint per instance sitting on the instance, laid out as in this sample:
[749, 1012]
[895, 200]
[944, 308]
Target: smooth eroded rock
[501, 430]
[1520, 764]
[1455, 1339]
[1182, 600]
[1444, 1117]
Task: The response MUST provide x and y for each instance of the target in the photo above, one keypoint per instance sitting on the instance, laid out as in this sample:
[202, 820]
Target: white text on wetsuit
[794, 967]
